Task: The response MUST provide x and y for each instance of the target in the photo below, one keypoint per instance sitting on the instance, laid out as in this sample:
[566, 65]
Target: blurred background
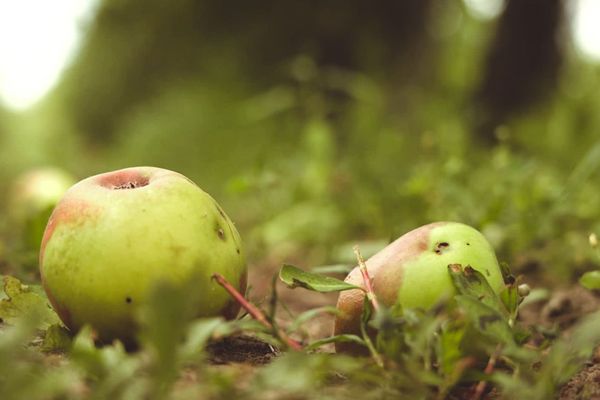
[316, 124]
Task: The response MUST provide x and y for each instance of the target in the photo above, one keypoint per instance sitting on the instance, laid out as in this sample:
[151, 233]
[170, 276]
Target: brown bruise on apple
[386, 281]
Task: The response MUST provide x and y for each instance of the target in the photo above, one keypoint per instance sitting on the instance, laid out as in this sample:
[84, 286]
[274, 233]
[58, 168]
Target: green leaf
[486, 319]
[56, 338]
[25, 300]
[470, 282]
[295, 277]
[198, 334]
[510, 298]
[590, 280]
[336, 339]
[302, 375]
[391, 333]
[449, 351]
[332, 269]
[506, 274]
[109, 369]
[365, 317]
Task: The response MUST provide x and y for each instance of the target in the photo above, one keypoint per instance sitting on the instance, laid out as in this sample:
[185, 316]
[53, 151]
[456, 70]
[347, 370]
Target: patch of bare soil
[292, 302]
[562, 310]
[560, 313]
[583, 386]
[241, 349]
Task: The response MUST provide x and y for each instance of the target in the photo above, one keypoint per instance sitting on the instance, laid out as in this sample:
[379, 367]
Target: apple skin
[413, 270]
[33, 196]
[114, 236]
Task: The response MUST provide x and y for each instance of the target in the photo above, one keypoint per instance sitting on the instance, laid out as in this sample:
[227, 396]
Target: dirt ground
[562, 309]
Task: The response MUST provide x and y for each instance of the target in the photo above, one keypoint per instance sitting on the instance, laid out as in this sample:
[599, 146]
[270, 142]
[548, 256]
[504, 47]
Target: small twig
[366, 278]
[255, 312]
[489, 368]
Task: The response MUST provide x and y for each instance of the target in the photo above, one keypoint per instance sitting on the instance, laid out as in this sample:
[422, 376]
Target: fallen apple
[115, 236]
[413, 270]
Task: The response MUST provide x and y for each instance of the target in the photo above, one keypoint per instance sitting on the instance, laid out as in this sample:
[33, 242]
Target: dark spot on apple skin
[487, 272]
[128, 300]
[468, 244]
[441, 247]
[220, 230]
[237, 250]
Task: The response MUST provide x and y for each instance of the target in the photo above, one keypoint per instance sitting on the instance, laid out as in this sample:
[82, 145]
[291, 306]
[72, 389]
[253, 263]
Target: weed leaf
[295, 277]
[336, 339]
[590, 280]
[25, 300]
[472, 283]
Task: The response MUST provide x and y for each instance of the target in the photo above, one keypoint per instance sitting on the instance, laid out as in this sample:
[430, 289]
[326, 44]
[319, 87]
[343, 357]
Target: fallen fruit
[413, 271]
[114, 236]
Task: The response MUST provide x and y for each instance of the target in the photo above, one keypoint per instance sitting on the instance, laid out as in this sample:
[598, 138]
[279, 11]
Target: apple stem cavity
[124, 180]
[129, 185]
[255, 312]
[366, 278]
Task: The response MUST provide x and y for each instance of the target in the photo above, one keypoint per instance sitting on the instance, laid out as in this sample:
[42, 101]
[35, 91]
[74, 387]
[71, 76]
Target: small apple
[32, 197]
[114, 236]
[413, 270]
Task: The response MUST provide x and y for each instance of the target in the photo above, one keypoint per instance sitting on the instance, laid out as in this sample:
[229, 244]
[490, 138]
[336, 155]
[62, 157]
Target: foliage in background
[308, 158]
[318, 154]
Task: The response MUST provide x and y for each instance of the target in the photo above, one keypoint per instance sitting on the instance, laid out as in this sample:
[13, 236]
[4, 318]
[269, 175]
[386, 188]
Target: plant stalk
[255, 312]
[366, 278]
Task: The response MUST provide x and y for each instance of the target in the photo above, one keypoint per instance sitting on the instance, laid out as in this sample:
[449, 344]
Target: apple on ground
[114, 236]
[413, 270]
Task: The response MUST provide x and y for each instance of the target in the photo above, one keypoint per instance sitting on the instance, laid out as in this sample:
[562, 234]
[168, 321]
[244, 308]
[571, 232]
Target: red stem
[366, 278]
[255, 312]
[489, 368]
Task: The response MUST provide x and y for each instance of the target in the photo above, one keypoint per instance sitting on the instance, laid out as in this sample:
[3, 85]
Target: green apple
[32, 197]
[115, 236]
[413, 271]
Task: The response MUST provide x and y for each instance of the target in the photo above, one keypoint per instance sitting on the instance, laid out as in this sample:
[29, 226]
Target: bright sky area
[38, 38]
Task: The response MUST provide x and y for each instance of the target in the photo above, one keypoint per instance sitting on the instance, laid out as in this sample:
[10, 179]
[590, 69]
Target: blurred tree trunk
[135, 48]
[523, 63]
